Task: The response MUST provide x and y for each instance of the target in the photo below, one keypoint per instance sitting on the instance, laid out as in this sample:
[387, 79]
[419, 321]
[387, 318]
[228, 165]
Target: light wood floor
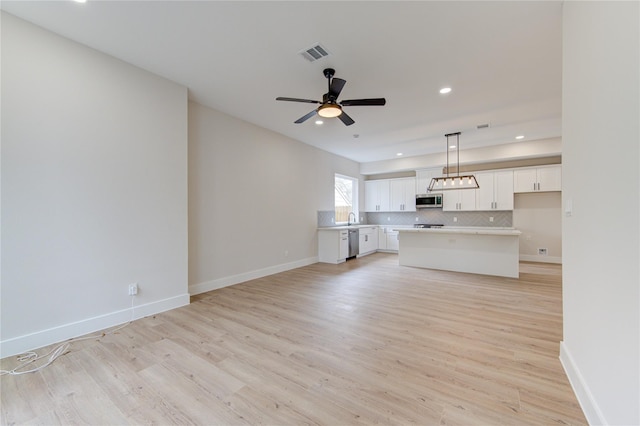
[359, 343]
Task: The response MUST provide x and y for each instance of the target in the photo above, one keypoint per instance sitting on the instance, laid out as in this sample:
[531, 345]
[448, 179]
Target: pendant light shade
[453, 182]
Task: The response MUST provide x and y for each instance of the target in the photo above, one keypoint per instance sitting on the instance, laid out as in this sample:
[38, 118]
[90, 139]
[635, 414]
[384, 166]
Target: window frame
[355, 182]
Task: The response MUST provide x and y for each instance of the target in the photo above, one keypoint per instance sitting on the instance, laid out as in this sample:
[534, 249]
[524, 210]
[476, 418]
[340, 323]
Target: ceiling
[502, 60]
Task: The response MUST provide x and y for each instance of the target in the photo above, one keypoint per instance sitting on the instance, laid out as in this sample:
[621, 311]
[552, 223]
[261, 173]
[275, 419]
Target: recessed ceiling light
[452, 147]
[80, 1]
[445, 90]
[319, 122]
[520, 137]
[399, 154]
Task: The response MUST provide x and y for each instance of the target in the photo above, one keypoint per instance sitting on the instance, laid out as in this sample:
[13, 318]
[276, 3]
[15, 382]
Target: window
[346, 198]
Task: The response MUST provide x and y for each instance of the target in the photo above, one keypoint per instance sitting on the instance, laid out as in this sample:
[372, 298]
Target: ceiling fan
[330, 107]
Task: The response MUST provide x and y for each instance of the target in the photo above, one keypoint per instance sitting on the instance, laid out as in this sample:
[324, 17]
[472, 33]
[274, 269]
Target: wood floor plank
[363, 342]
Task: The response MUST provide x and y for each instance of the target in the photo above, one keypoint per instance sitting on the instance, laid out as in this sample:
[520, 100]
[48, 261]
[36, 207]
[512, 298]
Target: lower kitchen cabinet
[368, 240]
[387, 239]
[333, 245]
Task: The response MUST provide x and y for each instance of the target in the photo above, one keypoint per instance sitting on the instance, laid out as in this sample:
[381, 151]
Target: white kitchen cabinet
[402, 194]
[368, 240]
[376, 195]
[459, 200]
[495, 191]
[392, 240]
[537, 179]
[387, 239]
[333, 245]
[423, 179]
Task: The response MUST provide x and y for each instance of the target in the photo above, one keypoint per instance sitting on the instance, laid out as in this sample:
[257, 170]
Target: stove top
[427, 225]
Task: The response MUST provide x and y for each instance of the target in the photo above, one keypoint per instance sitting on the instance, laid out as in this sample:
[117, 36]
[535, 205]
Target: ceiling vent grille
[315, 52]
[483, 126]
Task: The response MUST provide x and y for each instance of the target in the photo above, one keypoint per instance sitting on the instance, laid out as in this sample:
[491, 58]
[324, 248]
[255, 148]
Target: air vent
[315, 52]
[482, 126]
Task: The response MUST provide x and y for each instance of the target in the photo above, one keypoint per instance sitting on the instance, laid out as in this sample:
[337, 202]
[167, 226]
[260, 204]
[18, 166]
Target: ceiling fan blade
[308, 101]
[364, 102]
[305, 117]
[336, 87]
[348, 121]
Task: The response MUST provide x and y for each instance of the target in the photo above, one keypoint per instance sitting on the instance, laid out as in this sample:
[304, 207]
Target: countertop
[468, 230]
[359, 226]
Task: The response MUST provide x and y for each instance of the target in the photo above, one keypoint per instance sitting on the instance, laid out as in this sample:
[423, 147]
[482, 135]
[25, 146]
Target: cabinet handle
[534, 186]
[538, 186]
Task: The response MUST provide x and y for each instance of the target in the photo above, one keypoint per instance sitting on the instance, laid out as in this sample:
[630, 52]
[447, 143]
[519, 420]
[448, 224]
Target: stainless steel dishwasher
[354, 242]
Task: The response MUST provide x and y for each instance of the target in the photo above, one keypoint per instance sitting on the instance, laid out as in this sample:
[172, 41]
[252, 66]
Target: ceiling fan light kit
[447, 182]
[329, 110]
[330, 107]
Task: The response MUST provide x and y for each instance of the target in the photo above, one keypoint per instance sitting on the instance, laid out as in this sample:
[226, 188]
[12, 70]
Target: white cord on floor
[29, 358]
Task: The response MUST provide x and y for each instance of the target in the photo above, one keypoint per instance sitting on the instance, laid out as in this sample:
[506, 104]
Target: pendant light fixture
[453, 182]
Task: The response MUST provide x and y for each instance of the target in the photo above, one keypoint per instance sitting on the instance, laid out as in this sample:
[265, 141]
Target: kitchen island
[478, 250]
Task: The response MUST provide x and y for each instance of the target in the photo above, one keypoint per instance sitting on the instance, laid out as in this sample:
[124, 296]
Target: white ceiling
[502, 59]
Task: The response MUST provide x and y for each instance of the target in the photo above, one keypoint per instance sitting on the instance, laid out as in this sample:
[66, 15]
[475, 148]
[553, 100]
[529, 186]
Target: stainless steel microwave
[427, 201]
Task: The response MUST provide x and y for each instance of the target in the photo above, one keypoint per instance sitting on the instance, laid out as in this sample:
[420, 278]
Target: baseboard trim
[540, 259]
[216, 284]
[585, 398]
[39, 339]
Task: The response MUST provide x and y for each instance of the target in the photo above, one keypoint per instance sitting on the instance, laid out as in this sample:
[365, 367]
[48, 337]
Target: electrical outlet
[490, 218]
[455, 218]
[286, 253]
[416, 218]
[133, 289]
[388, 218]
[542, 251]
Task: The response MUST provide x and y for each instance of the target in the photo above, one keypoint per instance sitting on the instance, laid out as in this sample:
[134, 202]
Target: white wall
[539, 216]
[94, 189]
[601, 158]
[253, 199]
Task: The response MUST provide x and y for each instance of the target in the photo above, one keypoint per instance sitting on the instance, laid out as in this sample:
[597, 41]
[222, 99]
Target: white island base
[488, 251]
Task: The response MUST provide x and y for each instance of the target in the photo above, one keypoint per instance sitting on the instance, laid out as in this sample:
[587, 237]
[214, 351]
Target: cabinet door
[397, 200]
[370, 196]
[485, 194]
[410, 195]
[402, 194]
[450, 200]
[376, 196]
[344, 245]
[550, 178]
[382, 239]
[525, 180]
[383, 195]
[503, 190]
[467, 199]
[392, 240]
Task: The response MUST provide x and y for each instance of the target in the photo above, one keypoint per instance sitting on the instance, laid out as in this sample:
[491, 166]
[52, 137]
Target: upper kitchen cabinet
[376, 195]
[423, 179]
[459, 200]
[496, 190]
[538, 179]
[403, 194]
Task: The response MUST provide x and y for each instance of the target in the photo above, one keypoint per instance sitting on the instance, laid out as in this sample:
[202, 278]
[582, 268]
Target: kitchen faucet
[349, 218]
